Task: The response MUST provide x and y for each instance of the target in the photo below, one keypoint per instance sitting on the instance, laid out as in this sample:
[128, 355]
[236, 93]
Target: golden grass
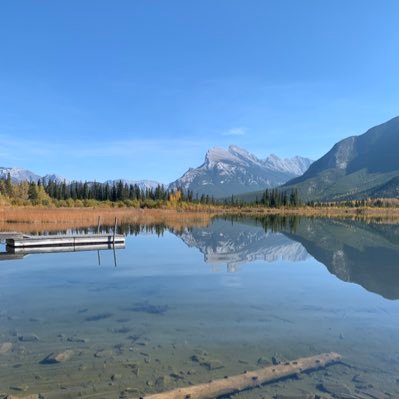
[372, 214]
[37, 219]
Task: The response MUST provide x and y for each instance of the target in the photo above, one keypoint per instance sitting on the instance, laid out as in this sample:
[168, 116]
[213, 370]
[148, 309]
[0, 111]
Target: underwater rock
[98, 317]
[210, 364]
[34, 396]
[5, 347]
[375, 394]
[127, 392]
[61, 357]
[359, 379]
[198, 358]
[21, 388]
[361, 382]
[176, 376]
[148, 308]
[134, 368]
[78, 340]
[263, 361]
[163, 381]
[334, 388]
[122, 330]
[116, 377]
[36, 320]
[29, 338]
[103, 353]
[277, 359]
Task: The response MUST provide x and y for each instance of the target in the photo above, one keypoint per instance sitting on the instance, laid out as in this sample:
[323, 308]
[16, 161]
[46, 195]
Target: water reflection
[238, 242]
[363, 253]
[355, 251]
[161, 320]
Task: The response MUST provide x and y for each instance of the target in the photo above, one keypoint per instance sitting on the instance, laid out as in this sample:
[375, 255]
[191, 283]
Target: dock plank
[64, 240]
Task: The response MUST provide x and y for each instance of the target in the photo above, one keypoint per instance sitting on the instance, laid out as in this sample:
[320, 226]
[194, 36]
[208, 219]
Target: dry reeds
[37, 219]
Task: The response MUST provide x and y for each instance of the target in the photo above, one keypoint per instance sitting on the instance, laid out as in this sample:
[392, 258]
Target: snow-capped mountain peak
[142, 184]
[296, 165]
[18, 174]
[236, 170]
[54, 178]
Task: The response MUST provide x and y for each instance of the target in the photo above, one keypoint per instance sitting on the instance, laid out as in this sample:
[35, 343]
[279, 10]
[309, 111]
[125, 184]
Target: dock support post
[116, 220]
[98, 225]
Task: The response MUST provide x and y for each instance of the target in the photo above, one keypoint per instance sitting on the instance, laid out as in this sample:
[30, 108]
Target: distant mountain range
[18, 175]
[235, 171]
[143, 184]
[357, 167]
[365, 166]
[224, 172]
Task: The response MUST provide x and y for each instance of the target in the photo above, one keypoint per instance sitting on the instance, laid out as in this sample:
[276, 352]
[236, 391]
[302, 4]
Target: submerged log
[249, 379]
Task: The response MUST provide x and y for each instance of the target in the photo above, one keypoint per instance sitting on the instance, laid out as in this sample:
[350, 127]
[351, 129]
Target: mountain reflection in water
[355, 251]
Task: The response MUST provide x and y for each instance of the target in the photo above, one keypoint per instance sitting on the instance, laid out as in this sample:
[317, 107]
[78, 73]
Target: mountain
[143, 184]
[18, 174]
[239, 243]
[356, 167]
[235, 171]
[55, 178]
[354, 251]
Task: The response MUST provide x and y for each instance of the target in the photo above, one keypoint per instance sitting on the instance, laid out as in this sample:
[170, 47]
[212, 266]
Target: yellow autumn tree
[175, 197]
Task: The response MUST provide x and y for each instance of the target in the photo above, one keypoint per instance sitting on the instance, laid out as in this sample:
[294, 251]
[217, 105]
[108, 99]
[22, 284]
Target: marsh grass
[37, 219]
[41, 219]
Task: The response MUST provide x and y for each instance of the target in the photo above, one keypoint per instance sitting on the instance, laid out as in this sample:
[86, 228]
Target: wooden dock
[9, 234]
[18, 251]
[64, 240]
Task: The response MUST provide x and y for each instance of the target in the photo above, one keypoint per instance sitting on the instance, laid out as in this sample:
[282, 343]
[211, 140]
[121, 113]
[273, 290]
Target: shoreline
[35, 218]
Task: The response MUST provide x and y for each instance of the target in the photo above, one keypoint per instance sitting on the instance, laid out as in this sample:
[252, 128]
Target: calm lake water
[185, 307]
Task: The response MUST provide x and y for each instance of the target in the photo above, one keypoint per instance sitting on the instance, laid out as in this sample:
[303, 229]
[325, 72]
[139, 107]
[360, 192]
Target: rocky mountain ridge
[235, 170]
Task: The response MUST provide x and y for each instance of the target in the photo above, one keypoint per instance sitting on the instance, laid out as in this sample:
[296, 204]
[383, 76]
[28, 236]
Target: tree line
[124, 194]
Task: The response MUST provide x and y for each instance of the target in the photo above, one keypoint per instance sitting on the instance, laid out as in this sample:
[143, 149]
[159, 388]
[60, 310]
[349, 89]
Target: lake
[181, 307]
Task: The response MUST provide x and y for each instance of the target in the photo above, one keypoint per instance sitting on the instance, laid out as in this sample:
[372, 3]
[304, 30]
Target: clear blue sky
[141, 89]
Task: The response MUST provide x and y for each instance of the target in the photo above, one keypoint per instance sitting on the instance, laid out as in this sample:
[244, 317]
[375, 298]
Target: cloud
[235, 131]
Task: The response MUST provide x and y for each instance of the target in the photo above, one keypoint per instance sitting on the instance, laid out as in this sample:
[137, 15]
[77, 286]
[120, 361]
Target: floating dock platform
[65, 240]
[17, 251]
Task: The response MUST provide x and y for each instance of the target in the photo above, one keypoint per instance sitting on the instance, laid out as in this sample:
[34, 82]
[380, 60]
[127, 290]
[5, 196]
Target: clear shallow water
[226, 295]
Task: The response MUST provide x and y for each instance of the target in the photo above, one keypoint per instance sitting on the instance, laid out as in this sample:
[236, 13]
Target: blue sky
[141, 89]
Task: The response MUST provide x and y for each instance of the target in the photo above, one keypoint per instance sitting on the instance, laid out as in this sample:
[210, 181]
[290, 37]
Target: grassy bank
[36, 219]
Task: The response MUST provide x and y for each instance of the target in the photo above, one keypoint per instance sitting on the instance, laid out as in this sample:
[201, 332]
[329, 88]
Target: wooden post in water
[98, 232]
[115, 264]
[116, 221]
